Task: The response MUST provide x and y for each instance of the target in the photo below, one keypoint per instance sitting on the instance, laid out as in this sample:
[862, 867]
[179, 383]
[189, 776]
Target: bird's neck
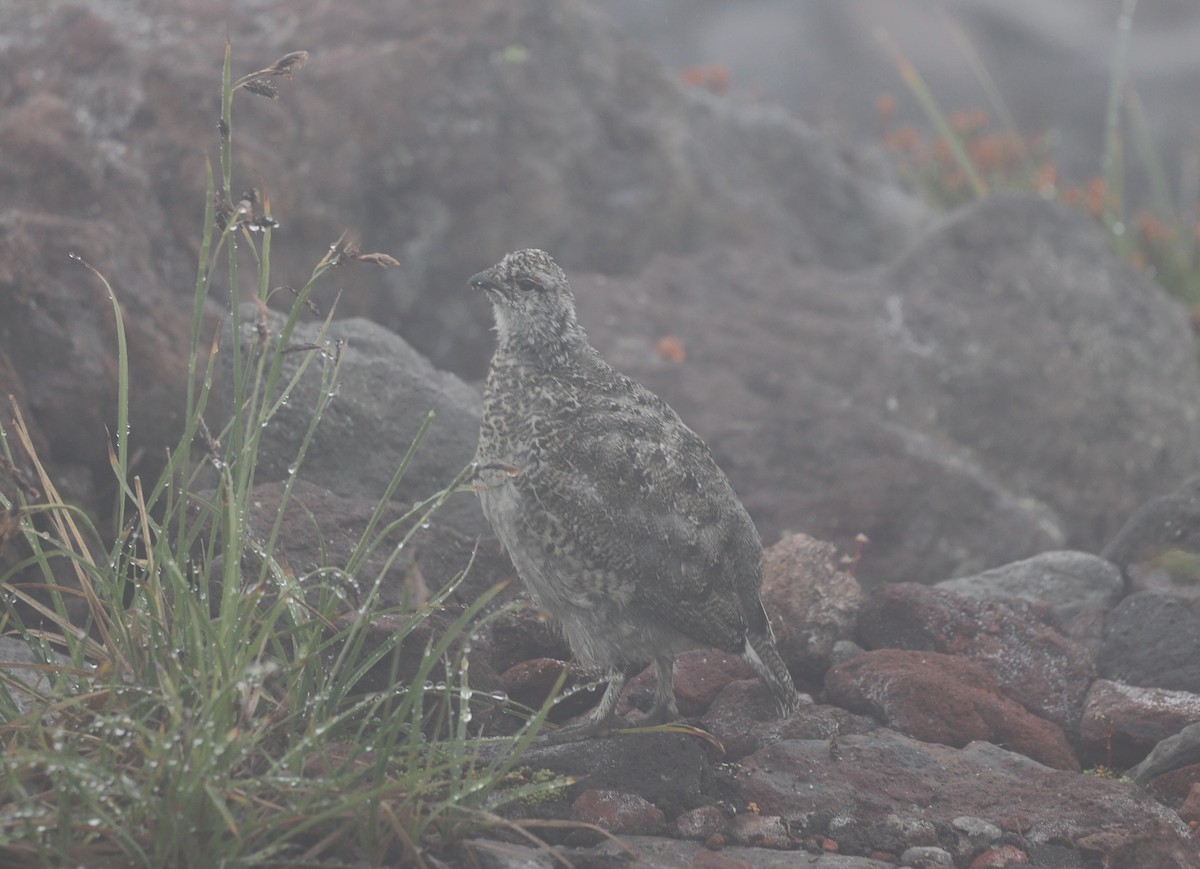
[544, 351]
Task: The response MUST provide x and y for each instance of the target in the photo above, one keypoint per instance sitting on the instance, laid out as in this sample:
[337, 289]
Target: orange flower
[670, 349]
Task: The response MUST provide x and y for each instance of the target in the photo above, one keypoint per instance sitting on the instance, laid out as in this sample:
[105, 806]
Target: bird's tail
[762, 656]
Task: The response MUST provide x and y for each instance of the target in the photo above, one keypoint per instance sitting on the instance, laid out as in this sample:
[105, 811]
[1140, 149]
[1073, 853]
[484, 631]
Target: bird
[614, 513]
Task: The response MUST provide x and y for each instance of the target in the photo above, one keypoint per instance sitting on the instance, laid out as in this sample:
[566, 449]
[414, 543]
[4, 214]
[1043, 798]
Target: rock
[940, 698]
[1181, 749]
[531, 683]
[812, 604]
[618, 812]
[1173, 786]
[744, 719]
[1122, 723]
[844, 650]
[882, 779]
[926, 857]
[702, 823]
[1069, 582]
[654, 853]
[494, 854]
[384, 391]
[750, 828]
[979, 832]
[900, 454]
[897, 404]
[320, 531]
[556, 98]
[717, 860]
[1152, 639]
[525, 634]
[1031, 662]
[116, 123]
[1158, 548]
[801, 454]
[22, 663]
[666, 769]
[1190, 810]
[700, 675]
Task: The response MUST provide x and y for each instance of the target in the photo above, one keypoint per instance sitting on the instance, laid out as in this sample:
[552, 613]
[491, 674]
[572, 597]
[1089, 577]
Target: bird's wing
[642, 500]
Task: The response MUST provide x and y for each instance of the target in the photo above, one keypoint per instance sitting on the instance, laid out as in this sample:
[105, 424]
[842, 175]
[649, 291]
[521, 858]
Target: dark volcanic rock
[940, 698]
[384, 391]
[414, 124]
[1153, 639]
[1175, 752]
[319, 532]
[885, 791]
[1031, 661]
[1158, 548]
[669, 770]
[652, 853]
[744, 718]
[1071, 582]
[926, 404]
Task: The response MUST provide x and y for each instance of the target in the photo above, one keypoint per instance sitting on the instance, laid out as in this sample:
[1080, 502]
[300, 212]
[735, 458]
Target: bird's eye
[529, 285]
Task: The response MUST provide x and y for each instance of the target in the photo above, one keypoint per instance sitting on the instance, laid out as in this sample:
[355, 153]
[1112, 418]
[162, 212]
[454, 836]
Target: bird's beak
[483, 281]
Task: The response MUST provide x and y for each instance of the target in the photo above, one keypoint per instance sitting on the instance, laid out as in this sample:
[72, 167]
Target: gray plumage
[614, 513]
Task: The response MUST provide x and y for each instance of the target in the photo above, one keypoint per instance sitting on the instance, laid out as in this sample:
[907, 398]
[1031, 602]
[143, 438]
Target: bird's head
[532, 302]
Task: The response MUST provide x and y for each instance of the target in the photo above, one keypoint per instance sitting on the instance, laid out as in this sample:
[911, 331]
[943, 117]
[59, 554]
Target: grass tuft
[189, 700]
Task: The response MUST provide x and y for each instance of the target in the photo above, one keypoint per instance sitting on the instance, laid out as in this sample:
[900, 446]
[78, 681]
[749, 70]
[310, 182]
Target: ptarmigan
[614, 513]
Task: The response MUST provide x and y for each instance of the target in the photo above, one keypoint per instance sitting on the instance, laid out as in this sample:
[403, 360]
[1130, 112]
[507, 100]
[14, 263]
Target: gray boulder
[1152, 639]
[947, 406]
[1070, 582]
[384, 391]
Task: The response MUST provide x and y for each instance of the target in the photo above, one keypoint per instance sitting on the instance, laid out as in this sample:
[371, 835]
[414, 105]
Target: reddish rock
[524, 635]
[1122, 723]
[1190, 810]
[999, 858]
[618, 812]
[1031, 662]
[702, 823]
[812, 604]
[531, 682]
[700, 675]
[715, 860]
[940, 698]
[1173, 787]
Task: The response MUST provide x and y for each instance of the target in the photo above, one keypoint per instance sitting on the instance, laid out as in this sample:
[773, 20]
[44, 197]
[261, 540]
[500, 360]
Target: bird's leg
[664, 710]
[599, 721]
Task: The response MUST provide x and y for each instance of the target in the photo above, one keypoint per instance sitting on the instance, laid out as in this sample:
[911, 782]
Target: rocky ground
[1006, 411]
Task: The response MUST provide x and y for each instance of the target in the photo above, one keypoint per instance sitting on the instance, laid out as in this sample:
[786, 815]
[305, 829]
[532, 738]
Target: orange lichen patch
[670, 348]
